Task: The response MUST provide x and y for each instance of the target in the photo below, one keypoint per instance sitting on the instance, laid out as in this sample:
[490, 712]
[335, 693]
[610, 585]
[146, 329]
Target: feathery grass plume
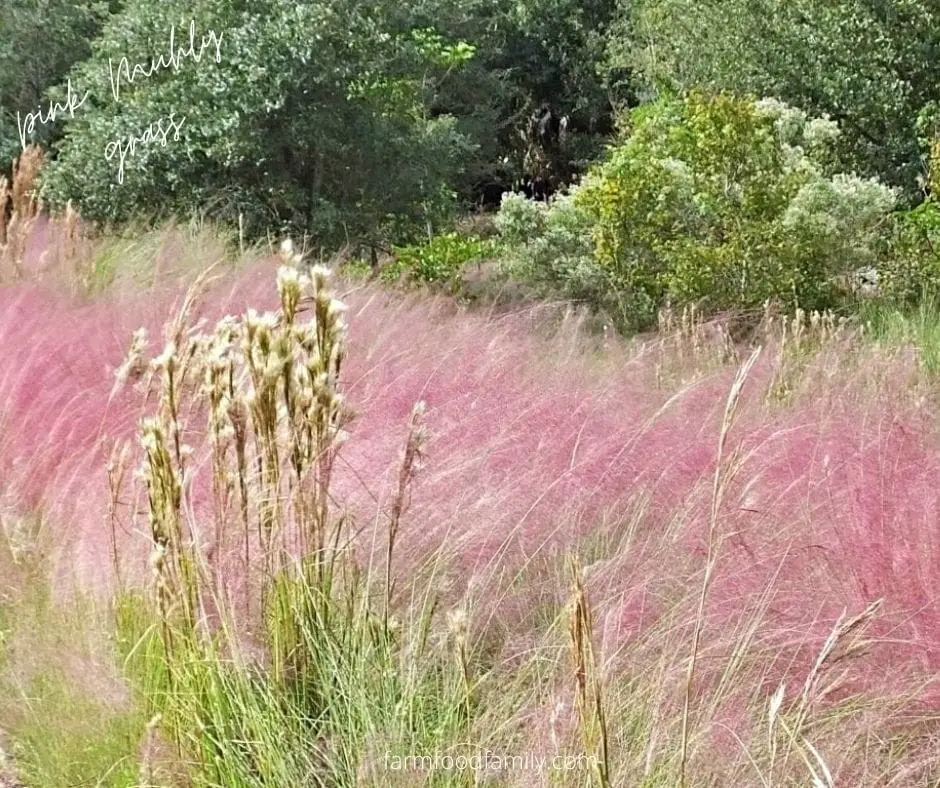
[830, 654]
[410, 464]
[460, 630]
[833, 503]
[218, 388]
[799, 340]
[263, 380]
[722, 478]
[74, 255]
[69, 253]
[794, 721]
[25, 171]
[308, 358]
[134, 365]
[25, 210]
[688, 345]
[146, 772]
[171, 563]
[177, 560]
[589, 696]
[238, 419]
[264, 369]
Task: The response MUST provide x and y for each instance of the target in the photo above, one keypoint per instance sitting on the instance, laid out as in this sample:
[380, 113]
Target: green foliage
[439, 261]
[353, 122]
[551, 247]
[39, 43]
[913, 269]
[61, 701]
[527, 52]
[871, 66]
[917, 326]
[717, 200]
[312, 119]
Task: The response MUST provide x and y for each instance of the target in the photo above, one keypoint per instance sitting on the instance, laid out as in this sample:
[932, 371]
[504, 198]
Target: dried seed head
[165, 358]
[289, 288]
[134, 365]
[151, 434]
[457, 621]
[319, 276]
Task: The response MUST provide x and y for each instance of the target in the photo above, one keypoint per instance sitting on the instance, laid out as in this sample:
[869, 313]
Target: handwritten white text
[129, 75]
[121, 149]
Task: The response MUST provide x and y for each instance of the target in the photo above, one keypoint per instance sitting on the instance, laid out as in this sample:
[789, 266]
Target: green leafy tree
[307, 116]
[527, 52]
[874, 67]
[40, 40]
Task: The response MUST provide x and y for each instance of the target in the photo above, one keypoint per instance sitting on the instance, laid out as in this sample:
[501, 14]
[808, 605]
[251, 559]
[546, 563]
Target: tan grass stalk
[117, 469]
[414, 450]
[459, 627]
[25, 172]
[74, 258]
[588, 692]
[5, 196]
[721, 479]
[829, 656]
[146, 773]
[25, 209]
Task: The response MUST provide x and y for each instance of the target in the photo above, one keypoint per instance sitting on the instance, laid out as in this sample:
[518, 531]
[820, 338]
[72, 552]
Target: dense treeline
[375, 124]
[347, 120]
[871, 66]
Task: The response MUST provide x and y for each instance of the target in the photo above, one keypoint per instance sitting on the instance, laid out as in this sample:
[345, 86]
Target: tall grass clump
[23, 210]
[917, 327]
[284, 680]
[66, 717]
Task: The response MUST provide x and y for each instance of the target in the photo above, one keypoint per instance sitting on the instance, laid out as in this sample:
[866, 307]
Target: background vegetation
[271, 529]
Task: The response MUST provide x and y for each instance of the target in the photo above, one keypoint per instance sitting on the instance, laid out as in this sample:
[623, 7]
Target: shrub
[865, 63]
[712, 199]
[551, 247]
[439, 261]
[913, 269]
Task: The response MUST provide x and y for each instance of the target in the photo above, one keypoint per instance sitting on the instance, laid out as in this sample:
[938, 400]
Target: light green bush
[439, 261]
[718, 200]
[551, 247]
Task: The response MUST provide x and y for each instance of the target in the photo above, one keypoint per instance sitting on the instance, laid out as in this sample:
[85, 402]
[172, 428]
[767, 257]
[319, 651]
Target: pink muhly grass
[834, 506]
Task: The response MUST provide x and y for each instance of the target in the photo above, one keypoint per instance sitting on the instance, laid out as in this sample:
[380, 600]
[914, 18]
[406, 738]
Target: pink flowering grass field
[763, 616]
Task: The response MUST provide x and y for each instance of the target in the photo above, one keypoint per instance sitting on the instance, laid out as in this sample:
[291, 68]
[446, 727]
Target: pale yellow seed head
[163, 360]
[458, 623]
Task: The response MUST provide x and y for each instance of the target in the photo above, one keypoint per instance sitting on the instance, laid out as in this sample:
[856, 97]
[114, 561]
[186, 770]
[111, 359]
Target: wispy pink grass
[836, 502]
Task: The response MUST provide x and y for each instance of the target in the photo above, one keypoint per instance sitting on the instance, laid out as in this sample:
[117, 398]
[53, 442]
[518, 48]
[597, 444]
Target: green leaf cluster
[439, 261]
